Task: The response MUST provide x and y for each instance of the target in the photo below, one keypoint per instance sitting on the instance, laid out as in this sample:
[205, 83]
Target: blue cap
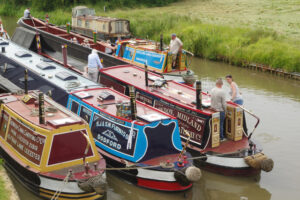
[173, 34]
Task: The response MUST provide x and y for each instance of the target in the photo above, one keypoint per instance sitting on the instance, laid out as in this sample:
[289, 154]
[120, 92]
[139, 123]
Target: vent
[46, 59]
[106, 96]
[45, 66]
[23, 54]
[65, 76]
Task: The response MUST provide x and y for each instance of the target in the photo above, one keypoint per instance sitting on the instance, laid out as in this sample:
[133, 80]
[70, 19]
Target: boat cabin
[84, 21]
[58, 142]
[145, 52]
[108, 113]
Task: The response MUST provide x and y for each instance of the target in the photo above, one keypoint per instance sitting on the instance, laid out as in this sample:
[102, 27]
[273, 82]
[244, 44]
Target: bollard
[146, 75]
[198, 95]
[41, 108]
[132, 102]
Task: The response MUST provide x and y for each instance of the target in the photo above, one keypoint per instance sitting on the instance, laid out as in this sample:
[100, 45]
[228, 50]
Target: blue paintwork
[141, 147]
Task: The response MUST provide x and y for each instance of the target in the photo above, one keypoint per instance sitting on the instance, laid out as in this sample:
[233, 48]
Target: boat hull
[42, 186]
[151, 179]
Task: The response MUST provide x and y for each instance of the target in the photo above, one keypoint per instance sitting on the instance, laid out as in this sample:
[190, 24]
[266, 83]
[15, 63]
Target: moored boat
[134, 134]
[33, 143]
[230, 157]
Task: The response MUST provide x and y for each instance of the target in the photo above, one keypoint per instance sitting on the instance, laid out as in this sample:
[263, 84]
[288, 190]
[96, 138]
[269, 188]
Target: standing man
[27, 13]
[94, 65]
[218, 103]
[236, 96]
[175, 48]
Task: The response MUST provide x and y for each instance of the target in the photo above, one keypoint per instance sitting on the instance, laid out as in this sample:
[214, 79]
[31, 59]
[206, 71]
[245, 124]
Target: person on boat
[108, 49]
[86, 43]
[175, 48]
[118, 40]
[74, 40]
[94, 65]
[218, 103]
[235, 93]
[27, 13]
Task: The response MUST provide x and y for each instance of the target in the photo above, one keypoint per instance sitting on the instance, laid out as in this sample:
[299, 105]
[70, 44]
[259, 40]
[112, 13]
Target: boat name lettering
[144, 98]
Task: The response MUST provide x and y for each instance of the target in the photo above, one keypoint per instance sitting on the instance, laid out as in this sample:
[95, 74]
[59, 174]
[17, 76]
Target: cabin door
[122, 49]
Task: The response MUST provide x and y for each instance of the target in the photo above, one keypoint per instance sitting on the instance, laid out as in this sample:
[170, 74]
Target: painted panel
[3, 126]
[152, 59]
[67, 147]
[114, 135]
[26, 141]
[129, 53]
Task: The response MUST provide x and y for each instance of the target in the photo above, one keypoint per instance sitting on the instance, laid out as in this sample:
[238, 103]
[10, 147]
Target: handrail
[87, 146]
[253, 115]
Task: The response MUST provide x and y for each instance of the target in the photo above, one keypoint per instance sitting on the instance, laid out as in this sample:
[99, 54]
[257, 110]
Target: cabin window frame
[79, 22]
[85, 107]
[87, 24]
[71, 106]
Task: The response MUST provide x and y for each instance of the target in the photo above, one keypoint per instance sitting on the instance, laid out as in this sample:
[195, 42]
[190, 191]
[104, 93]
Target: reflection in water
[275, 100]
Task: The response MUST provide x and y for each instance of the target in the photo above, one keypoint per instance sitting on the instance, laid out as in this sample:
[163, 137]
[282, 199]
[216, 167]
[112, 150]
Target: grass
[257, 31]
[4, 194]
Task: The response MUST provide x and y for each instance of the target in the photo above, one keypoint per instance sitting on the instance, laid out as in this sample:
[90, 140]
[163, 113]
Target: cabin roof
[55, 115]
[51, 71]
[176, 92]
[144, 112]
[101, 18]
[138, 43]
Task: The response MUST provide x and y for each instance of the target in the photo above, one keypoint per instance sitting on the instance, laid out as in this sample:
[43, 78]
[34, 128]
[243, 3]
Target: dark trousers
[222, 119]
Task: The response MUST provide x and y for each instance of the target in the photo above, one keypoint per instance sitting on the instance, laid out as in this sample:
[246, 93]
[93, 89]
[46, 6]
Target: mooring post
[26, 82]
[161, 42]
[146, 75]
[65, 56]
[132, 102]
[68, 27]
[41, 108]
[95, 36]
[198, 95]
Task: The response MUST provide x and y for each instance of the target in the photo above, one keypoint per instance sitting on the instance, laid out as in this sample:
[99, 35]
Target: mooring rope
[58, 191]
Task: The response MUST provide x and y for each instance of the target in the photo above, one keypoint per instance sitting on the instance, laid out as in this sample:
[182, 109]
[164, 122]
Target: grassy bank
[4, 194]
[232, 31]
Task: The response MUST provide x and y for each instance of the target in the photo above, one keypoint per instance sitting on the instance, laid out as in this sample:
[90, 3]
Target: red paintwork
[68, 146]
[162, 185]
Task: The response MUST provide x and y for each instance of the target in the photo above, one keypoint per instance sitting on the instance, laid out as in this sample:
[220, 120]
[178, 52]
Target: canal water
[276, 101]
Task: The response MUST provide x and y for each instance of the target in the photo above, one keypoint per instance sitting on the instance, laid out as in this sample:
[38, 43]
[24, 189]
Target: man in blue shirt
[94, 65]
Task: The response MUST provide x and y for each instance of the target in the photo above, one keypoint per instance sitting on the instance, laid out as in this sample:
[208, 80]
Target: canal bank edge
[8, 186]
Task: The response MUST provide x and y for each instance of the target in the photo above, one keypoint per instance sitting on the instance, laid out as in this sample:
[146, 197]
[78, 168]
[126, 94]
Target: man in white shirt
[27, 13]
[94, 65]
[175, 48]
[218, 103]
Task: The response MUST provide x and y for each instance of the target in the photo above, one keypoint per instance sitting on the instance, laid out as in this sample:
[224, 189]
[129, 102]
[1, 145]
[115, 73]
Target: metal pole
[26, 81]
[161, 42]
[41, 108]
[64, 52]
[198, 95]
[146, 75]
[132, 102]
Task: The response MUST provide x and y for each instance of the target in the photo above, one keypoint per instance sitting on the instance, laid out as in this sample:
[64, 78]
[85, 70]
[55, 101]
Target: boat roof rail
[45, 66]
[65, 76]
[23, 54]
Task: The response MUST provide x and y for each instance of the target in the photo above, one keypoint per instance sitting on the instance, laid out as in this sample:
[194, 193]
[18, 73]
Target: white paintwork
[51, 184]
[227, 162]
[156, 175]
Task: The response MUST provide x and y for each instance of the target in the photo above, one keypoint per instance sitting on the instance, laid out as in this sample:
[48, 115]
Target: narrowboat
[58, 82]
[85, 22]
[130, 133]
[134, 51]
[33, 134]
[235, 156]
[50, 40]
[43, 74]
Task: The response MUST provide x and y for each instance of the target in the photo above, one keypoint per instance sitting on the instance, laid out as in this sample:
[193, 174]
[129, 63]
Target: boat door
[122, 49]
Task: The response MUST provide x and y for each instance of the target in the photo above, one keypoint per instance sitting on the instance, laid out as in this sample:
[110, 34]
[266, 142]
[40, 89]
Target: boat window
[23, 54]
[65, 76]
[87, 24]
[7, 67]
[74, 107]
[78, 22]
[103, 27]
[45, 66]
[85, 114]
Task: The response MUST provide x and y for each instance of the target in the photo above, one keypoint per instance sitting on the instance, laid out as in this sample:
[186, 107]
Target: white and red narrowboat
[147, 141]
[49, 149]
[230, 157]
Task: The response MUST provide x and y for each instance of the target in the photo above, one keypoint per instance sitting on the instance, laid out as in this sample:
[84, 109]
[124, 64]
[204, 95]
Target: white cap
[94, 51]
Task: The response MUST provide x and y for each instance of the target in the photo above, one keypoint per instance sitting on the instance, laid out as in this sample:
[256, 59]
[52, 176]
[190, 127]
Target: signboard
[25, 141]
[114, 135]
[188, 121]
[150, 58]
